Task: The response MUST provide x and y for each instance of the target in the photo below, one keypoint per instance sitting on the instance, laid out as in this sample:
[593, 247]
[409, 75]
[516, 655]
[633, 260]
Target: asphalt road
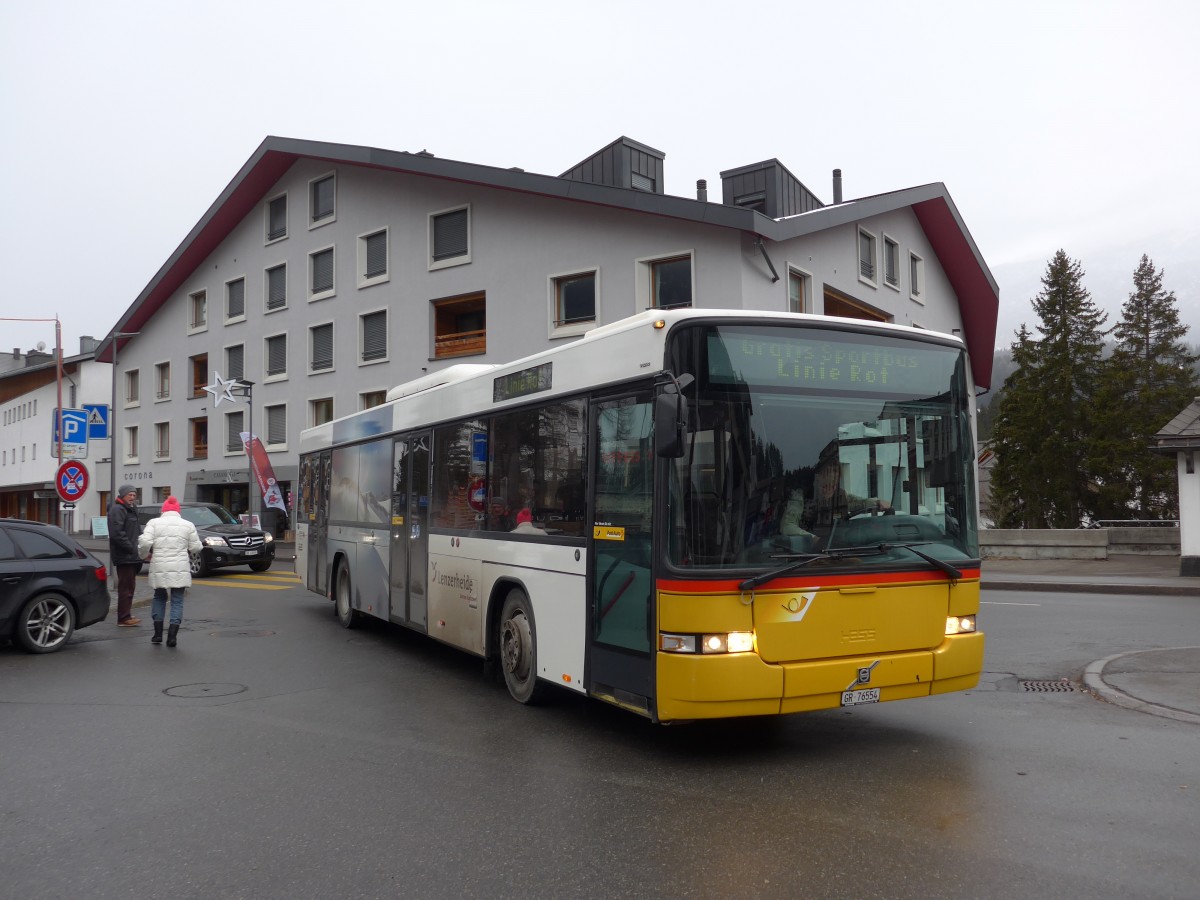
[274, 754]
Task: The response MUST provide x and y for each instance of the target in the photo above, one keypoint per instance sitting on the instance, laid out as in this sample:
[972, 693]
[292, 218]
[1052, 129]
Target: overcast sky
[1054, 125]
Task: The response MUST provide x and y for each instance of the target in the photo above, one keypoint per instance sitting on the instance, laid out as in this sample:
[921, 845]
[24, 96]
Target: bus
[690, 514]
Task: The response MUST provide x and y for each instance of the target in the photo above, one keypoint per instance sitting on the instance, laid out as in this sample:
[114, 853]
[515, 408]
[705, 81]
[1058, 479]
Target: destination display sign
[522, 383]
[837, 362]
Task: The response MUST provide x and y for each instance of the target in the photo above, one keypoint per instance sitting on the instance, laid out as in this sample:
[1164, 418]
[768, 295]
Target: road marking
[243, 586]
[1006, 603]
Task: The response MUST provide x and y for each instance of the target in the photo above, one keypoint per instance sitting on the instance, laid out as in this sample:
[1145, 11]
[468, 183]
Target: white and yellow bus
[688, 513]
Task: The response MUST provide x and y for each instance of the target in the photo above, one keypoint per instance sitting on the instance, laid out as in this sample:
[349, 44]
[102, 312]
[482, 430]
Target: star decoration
[222, 389]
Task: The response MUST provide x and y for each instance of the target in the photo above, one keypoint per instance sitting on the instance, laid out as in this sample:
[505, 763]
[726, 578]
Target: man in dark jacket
[123, 533]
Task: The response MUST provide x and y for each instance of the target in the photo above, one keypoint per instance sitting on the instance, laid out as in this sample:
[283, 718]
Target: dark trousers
[126, 579]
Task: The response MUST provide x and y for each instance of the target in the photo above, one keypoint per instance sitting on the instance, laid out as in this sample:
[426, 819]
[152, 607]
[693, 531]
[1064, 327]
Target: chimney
[837, 186]
[87, 344]
[702, 190]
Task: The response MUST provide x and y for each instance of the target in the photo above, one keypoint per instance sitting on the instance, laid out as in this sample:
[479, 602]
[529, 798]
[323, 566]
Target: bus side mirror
[670, 420]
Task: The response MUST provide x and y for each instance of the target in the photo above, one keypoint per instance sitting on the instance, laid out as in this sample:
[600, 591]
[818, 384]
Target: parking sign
[74, 436]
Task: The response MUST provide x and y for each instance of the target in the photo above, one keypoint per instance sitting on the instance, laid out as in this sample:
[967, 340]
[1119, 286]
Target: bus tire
[516, 642]
[342, 606]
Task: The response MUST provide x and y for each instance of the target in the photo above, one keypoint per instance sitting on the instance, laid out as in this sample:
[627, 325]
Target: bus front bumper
[741, 684]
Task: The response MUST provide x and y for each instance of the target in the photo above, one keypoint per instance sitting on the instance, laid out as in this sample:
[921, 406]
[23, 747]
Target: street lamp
[248, 387]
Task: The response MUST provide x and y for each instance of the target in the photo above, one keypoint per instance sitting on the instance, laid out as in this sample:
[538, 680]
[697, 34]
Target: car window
[8, 549]
[37, 545]
[201, 515]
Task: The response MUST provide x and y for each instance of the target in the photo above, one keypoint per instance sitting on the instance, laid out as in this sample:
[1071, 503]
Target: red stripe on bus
[794, 582]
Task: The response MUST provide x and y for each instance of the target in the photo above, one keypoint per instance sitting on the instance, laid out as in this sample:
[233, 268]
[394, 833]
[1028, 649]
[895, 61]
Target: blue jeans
[159, 605]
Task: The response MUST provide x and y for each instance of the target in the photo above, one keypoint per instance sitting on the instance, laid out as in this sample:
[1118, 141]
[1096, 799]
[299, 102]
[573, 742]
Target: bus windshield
[806, 442]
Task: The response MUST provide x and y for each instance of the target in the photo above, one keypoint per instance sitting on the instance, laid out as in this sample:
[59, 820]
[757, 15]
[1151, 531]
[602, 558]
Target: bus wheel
[518, 649]
[341, 598]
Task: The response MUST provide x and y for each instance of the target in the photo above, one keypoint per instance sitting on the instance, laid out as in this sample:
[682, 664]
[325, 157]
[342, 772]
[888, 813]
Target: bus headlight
[960, 624]
[729, 642]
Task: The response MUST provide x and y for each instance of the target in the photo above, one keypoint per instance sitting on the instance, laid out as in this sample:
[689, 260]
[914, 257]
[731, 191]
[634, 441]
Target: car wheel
[261, 566]
[45, 623]
[198, 565]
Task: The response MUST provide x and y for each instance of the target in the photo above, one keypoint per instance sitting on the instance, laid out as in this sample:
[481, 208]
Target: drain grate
[1047, 687]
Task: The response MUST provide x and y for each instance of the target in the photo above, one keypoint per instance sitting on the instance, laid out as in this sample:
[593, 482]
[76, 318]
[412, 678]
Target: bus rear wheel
[342, 606]
[517, 644]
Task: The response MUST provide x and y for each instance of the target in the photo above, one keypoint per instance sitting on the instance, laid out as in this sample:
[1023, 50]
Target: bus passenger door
[621, 612]
[318, 530]
[410, 535]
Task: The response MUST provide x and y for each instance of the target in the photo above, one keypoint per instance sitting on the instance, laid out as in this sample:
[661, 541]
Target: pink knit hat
[524, 516]
[170, 505]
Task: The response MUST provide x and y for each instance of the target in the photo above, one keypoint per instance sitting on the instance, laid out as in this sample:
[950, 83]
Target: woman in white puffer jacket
[168, 543]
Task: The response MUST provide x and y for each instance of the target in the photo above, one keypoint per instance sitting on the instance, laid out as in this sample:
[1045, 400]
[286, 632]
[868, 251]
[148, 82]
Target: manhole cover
[1047, 687]
[240, 632]
[192, 691]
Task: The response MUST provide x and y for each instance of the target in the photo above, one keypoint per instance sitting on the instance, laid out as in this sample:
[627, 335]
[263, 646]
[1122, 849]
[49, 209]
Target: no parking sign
[71, 481]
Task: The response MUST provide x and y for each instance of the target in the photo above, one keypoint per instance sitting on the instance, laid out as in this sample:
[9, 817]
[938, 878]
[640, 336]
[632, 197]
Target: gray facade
[464, 246]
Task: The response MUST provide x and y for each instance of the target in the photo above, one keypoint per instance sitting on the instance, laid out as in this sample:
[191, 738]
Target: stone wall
[1076, 543]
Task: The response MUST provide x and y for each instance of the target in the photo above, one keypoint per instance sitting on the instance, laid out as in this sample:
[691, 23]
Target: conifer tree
[1041, 438]
[1148, 380]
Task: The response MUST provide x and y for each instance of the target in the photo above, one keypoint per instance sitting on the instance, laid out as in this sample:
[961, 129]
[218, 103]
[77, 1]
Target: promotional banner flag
[263, 473]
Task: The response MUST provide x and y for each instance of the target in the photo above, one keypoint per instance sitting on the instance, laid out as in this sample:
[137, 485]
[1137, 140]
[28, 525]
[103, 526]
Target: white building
[324, 274]
[29, 388]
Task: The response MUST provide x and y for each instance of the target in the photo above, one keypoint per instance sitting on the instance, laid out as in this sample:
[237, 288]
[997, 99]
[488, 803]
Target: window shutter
[376, 255]
[277, 287]
[450, 235]
[322, 198]
[374, 332]
[235, 305]
[233, 440]
[277, 219]
[235, 358]
[277, 355]
[276, 424]
[322, 271]
[322, 347]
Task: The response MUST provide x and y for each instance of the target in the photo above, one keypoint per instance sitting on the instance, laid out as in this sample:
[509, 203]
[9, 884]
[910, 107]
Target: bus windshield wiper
[875, 549]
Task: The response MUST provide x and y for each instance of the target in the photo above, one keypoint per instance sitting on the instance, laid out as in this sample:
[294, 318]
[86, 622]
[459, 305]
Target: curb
[1080, 587]
[1093, 678]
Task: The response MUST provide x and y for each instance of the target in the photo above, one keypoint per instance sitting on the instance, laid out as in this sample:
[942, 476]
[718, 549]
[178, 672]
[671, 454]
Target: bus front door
[318, 532]
[620, 612]
[410, 535]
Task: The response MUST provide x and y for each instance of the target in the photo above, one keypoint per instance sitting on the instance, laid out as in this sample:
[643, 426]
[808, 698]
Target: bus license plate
[856, 698]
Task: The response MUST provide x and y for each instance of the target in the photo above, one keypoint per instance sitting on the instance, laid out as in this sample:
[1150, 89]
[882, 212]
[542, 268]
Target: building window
[323, 198]
[198, 429]
[162, 381]
[373, 258]
[368, 399]
[131, 443]
[450, 237]
[891, 262]
[916, 277]
[199, 374]
[320, 347]
[276, 426]
[235, 300]
[373, 338]
[234, 426]
[132, 384]
[320, 269]
[277, 218]
[460, 326]
[320, 411]
[573, 302]
[799, 291]
[162, 440]
[671, 282]
[276, 355]
[866, 256]
[235, 361]
[198, 311]
[277, 287]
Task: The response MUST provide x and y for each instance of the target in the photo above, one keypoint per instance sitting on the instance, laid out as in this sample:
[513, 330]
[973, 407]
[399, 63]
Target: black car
[227, 542]
[49, 585]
